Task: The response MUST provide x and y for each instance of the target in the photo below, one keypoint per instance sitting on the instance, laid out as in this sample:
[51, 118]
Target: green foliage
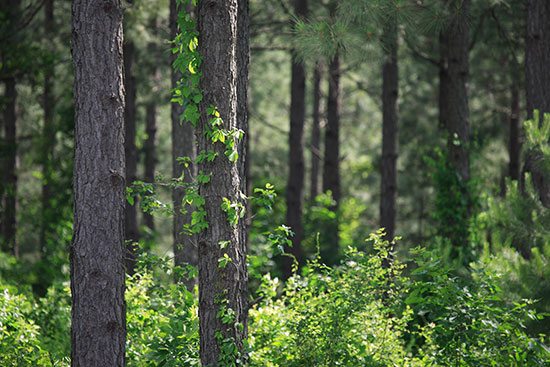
[333, 316]
[466, 322]
[454, 201]
[162, 317]
[537, 145]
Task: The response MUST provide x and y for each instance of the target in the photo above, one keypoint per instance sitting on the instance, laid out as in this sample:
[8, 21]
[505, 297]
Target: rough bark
[98, 329]
[131, 228]
[295, 183]
[183, 145]
[217, 24]
[48, 130]
[453, 88]
[316, 134]
[388, 166]
[514, 144]
[537, 80]
[331, 163]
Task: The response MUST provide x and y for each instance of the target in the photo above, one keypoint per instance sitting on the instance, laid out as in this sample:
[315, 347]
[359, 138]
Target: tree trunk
[220, 287]
[243, 61]
[98, 329]
[316, 134]
[388, 167]
[331, 164]
[183, 145]
[454, 112]
[514, 143]
[10, 167]
[149, 148]
[537, 80]
[453, 92]
[48, 130]
[295, 183]
[8, 221]
[131, 228]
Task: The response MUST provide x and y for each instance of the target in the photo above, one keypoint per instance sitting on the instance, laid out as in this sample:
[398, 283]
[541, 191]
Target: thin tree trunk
[316, 134]
[149, 148]
[514, 143]
[243, 61]
[10, 167]
[130, 218]
[149, 145]
[11, 9]
[295, 183]
[220, 287]
[537, 80]
[98, 328]
[183, 145]
[48, 129]
[388, 167]
[331, 164]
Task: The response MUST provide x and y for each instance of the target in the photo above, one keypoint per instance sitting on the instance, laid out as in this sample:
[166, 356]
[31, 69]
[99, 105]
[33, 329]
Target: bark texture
[316, 134]
[388, 166]
[295, 182]
[131, 228]
[453, 89]
[183, 145]
[149, 148]
[98, 329]
[217, 24]
[537, 80]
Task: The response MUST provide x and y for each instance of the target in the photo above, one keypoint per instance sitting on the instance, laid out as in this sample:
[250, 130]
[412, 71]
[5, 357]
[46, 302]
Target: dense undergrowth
[359, 313]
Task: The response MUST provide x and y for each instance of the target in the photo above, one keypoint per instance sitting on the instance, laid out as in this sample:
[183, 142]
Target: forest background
[464, 178]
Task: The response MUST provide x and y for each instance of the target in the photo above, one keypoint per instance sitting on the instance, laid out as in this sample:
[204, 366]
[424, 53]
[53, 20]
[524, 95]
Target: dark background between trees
[395, 114]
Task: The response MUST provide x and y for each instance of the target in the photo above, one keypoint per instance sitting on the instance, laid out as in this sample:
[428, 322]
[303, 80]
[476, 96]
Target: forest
[274, 183]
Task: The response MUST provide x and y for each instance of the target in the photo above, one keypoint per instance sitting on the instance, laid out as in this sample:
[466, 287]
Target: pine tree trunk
[218, 285]
[243, 61]
[388, 167]
[453, 105]
[8, 221]
[316, 134]
[98, 329]
[514, 143]
[130, 217]
[149, 148]
[453, 92]
[183, 145]
[537, 80]
[48, 130]
[10, 167]
[331, 164]
[295, 183]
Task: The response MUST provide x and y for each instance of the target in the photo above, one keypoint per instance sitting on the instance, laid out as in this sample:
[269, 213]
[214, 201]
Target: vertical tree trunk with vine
[183, 145]
[98, 328]
[222, 282]
[316, 133]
